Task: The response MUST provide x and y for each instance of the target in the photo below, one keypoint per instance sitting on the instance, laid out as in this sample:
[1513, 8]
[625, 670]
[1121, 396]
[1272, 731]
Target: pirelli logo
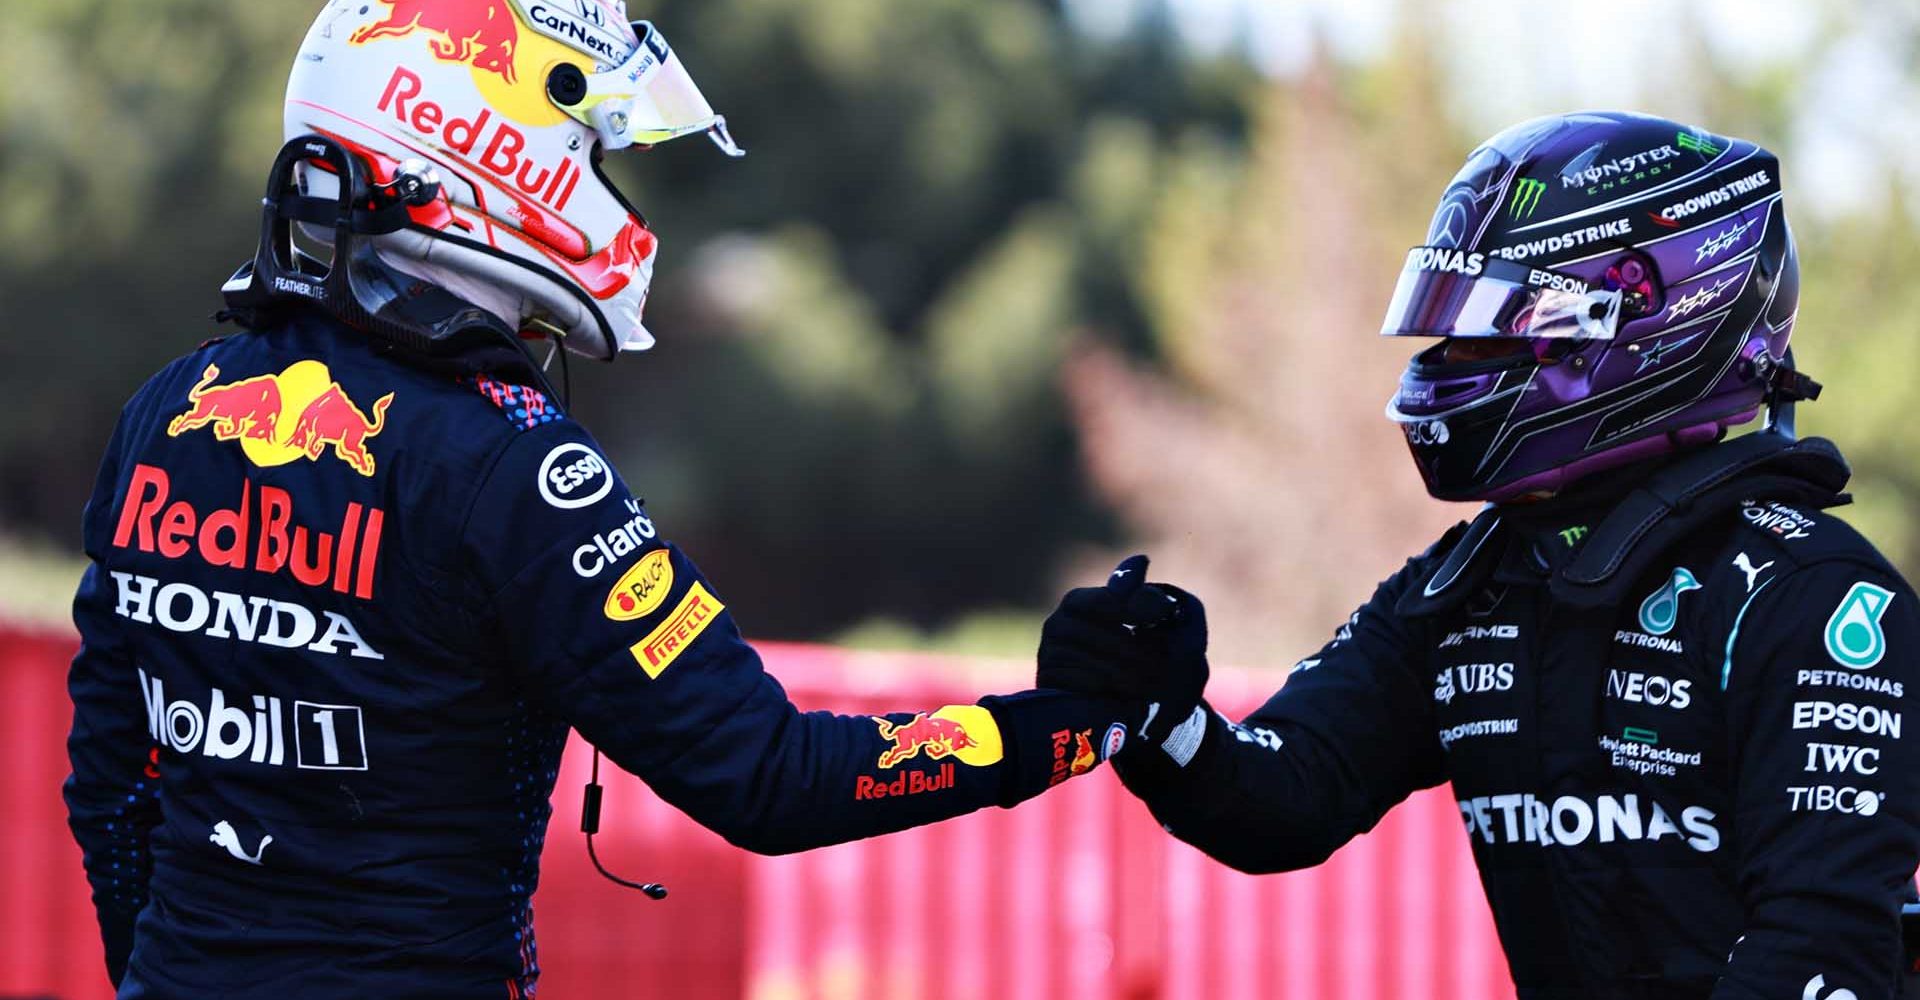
[691, 617]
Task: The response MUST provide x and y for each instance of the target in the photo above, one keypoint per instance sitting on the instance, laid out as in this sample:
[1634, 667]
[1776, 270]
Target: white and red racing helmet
[511, 104]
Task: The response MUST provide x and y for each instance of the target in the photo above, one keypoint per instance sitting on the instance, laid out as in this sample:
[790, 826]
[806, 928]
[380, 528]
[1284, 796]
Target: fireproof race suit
[1674, 723]
[340, 615]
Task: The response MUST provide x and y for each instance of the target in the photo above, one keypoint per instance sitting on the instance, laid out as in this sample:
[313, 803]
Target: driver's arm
[1349, 736]
[1827, 789]
[644, 658]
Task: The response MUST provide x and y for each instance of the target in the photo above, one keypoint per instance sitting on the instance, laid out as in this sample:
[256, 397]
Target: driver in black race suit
[355, 571]
[1669, 691]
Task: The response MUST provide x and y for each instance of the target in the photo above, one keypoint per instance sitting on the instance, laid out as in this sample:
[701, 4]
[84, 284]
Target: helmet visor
[649, 99]
[1444, 292]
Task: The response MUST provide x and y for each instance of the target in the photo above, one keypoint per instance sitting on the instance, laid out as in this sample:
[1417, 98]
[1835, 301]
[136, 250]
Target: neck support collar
[418, 320]
[1676, 499]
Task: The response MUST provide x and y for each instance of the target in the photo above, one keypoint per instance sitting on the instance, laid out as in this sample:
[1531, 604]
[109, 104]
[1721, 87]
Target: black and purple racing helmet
[1645, 282]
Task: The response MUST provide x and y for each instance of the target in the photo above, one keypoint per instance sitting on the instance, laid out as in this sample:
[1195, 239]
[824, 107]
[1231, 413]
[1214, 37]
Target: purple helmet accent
[1648, 270]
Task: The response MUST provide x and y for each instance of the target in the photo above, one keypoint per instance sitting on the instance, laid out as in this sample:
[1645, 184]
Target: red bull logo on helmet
[482, 34]
[966, 733]
[299, 413]
[503, 149]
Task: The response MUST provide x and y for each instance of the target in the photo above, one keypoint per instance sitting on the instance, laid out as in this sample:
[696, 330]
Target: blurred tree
[1253, 460]
[1856, 333]
[133, 144]
[851, 411]
[1258, 468]
[857, 408]
[875, 428]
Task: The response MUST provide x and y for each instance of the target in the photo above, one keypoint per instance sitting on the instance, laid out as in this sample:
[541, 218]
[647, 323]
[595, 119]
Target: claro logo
[1569, 821]
[610, 546]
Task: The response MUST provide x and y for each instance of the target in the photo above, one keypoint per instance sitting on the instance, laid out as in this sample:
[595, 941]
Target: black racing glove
[1129, 641]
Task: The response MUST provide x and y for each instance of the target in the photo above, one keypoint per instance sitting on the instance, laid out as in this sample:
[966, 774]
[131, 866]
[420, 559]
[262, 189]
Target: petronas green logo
[1661, 609]
[1854, 637]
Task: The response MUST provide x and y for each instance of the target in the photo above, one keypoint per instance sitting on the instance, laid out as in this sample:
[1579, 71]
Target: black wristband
[1152, 771]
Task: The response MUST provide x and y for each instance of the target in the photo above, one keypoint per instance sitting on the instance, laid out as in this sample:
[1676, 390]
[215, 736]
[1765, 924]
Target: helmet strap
[1786, 385]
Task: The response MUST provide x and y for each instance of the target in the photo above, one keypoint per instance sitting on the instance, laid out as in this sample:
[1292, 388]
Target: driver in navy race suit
[355, 572]
[1669, 690]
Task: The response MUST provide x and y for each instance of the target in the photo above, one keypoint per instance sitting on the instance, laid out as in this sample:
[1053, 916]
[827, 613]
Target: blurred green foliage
[851, 411]
[855, 412]
[1859, 309]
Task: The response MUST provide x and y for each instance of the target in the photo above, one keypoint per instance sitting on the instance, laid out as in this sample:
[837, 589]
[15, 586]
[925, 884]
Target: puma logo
[224, 836]
[1745, 565]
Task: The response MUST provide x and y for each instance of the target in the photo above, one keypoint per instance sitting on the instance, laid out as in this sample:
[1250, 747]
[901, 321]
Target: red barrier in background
[1076, 894]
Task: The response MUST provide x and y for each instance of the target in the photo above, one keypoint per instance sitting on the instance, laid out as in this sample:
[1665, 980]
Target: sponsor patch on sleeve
[574, 476]
[642, 588]
[664, 644]
[1073, 755]
[965, 732]
[1083, 757]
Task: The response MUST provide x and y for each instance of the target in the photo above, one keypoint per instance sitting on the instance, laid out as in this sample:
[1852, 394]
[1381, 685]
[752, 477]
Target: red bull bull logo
[482, 34]
[964, 732]
[300, 412]
[1073, 755]
[333, 420]
[249, 407]
[1083, 758]
[938, 737]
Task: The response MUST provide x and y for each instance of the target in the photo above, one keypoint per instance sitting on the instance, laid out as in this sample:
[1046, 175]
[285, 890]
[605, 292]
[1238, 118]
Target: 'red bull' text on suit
[340, 615]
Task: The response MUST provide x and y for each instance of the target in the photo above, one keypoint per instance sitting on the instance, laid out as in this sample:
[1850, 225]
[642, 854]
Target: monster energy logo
[1526, 198]
[1687, 140]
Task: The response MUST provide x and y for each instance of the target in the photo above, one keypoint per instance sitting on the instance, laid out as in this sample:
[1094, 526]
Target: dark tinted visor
[1445, 292]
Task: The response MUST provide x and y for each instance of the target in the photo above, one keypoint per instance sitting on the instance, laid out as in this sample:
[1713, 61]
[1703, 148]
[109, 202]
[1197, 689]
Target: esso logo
[574, 475]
